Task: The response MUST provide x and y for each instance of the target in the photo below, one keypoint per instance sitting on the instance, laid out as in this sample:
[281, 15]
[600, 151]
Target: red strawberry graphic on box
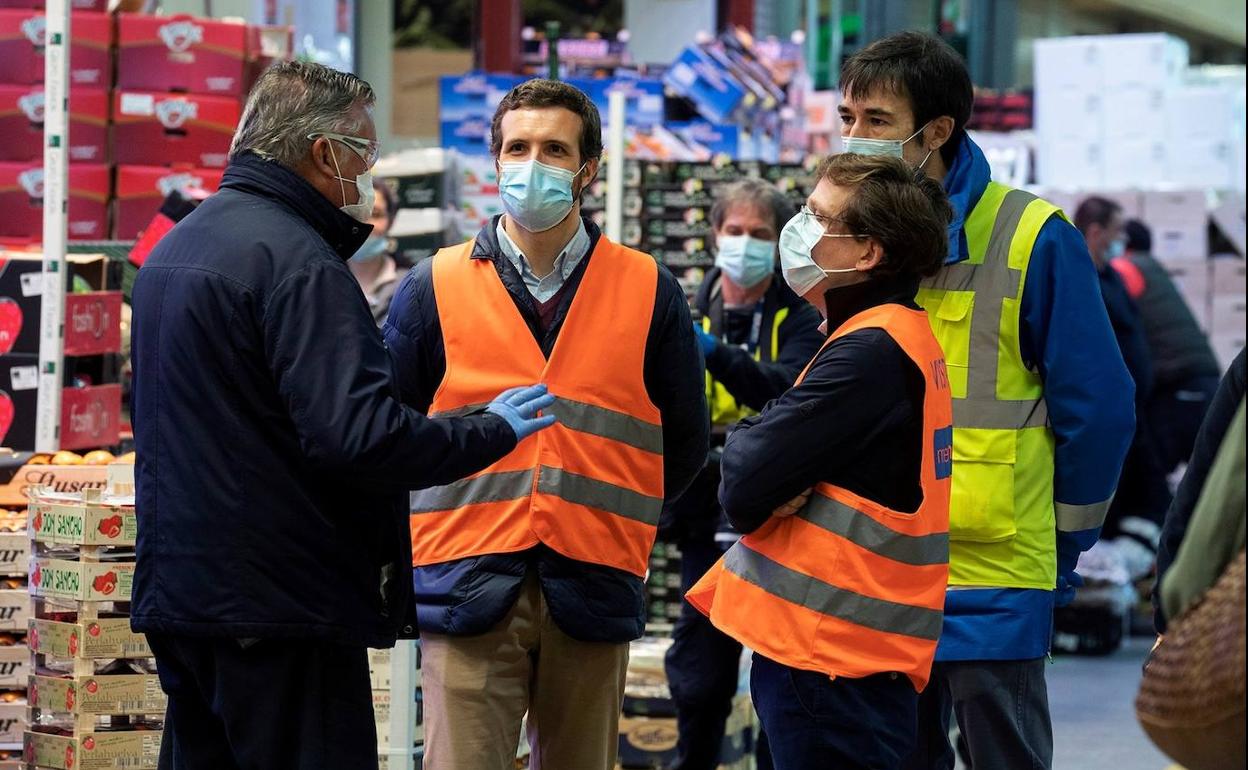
[69, 757]
[10, 324]
[6, 414]
[38, 523]
[88, 743]
[36, 576]
[111, 527]
[69, 698]
[94, 629]
[33, 638]
[105, 583]
[73, 644]
[93, 686]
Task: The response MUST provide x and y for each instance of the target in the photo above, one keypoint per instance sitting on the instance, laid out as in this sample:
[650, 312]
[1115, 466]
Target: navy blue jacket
[856, 421]
[273, 456]
[588, 602]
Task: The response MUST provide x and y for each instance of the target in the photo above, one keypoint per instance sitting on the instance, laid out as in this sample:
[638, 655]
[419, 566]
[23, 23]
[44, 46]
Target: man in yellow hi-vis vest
[1042, 406]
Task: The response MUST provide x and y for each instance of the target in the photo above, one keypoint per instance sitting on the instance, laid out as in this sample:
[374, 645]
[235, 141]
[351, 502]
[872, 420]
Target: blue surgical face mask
[371, 249]
[893, 148]
[535, 195]
[1116, 249]
[797, 240]
[745, 260]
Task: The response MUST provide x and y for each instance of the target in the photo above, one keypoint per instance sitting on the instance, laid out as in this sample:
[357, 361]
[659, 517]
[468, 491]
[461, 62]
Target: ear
[938, 133]
[322, 157]
[874, 256]
[591, 172]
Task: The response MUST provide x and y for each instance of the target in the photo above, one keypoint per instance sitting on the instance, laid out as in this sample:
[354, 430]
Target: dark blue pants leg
[834, 724]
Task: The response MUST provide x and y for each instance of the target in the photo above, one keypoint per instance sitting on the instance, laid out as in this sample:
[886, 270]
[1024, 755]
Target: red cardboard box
[90, 417]
[21, 200]
[141, 189]
[266, 45]
[156, 129]
[77, 5]
[93, 323]
[22, 34]
[181, 53]
[21, 124]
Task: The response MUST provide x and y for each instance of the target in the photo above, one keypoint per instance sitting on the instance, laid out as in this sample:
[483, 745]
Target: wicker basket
[1191, 699]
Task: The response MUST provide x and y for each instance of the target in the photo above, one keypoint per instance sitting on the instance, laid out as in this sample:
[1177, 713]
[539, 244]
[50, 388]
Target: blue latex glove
[1067, 582]
[706, 340]
[519, 407]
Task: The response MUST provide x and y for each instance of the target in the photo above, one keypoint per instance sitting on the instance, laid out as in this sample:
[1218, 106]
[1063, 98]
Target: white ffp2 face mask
[797, 240]
[361, 211]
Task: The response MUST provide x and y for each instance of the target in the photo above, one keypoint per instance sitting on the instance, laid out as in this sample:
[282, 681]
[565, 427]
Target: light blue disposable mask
[797, 240]
[371, 249]
[745, 260]
[535, 195]
[1117, 248]
[893, 148]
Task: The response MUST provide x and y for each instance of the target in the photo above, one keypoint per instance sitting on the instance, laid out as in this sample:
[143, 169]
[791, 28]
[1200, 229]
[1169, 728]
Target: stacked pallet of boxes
[380, 668]
[426, 184]
[14, 614]
[95, 700]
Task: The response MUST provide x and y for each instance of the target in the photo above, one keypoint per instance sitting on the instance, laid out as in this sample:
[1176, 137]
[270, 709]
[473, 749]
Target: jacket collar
[965, 183]
[252, 174]
[486, 245]
[845, 302]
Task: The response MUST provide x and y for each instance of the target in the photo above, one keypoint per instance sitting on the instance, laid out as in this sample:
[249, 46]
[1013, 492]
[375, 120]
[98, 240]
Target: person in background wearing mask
[530, 576]
[841, 485]
[1042, 405]
[274, 462]
[1185, 370]
[373, 263]
[756, 335]
[1139, 508]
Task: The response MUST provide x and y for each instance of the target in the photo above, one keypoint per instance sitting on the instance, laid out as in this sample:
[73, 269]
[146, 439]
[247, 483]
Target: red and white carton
[93, 323]
[141, 189]
[181, 53]
[165, 129]
[22, 39]
[21, 124]
[91, 416]
[77, 5]
[21, 200]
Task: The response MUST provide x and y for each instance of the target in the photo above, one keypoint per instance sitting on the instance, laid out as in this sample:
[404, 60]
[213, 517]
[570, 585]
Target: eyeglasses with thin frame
[826, 222]
[368, 150]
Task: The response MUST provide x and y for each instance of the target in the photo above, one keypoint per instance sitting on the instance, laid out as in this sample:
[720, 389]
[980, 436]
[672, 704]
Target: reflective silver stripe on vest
[593, 493]
[991, 281]
[827, 599]
[459, 411]
[609, 424]
[487, 488]
[860, 529]
[1075, 518]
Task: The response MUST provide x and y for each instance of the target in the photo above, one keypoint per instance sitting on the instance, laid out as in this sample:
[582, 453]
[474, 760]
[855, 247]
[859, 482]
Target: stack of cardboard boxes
[426, 183]
[380, 668]
[95, 700]
[15, 606]
[164, 122]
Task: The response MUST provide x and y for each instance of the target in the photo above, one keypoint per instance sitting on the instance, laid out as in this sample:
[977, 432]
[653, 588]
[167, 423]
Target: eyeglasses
[826, 222]
[368, 150]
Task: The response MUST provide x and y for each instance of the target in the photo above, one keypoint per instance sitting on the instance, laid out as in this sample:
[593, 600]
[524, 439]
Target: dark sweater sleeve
[675, 382]
[1217, 419]
[853, 391]
[754, 383]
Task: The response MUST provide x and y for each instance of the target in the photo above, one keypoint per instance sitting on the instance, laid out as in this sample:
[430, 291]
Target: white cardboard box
[1151, 59]
[1226, 347]
[1131, 112]
[1227, 316]
[15, 610]
[1227, 277]
[14, 667]
[1175, 206]
[14, 553]
[1070, 163]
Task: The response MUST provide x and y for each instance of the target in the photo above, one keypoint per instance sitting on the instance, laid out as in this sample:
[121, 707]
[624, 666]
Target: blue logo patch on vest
[942, 441]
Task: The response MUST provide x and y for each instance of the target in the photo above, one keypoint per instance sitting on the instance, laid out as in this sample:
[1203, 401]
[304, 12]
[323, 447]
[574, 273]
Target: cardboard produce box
[92, 320]
[89, 639]
[22, 36]
[98, 694]
[159, 129]
[12, 721]
[121, 750]
[86, 522]
[18, 477]
[181, 53]
[140, 191]
[82, 581]
[379, 669]
[15, 609]
[90, 416]
[14, 553]
[77, 5]
[21, 124]
[21, 199]
[14, 667]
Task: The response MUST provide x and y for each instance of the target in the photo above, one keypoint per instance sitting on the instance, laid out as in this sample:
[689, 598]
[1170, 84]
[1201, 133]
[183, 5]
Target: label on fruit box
[128, 750]
[14, 553]
[86, 524]
[100, 694]
[138, 104]
[105, 638]
[84, 581]
[32, 284]
[14, 666]
[24, 377]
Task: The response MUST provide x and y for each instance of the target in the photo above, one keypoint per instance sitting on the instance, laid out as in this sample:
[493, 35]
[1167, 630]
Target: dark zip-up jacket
[274, 458]
[588, 602]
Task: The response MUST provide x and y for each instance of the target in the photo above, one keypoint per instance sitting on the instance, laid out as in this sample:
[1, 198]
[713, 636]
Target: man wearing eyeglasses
[274, 460]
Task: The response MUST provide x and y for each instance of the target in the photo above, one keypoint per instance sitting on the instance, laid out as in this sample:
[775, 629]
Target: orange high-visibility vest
[846, 586]
[591, 486]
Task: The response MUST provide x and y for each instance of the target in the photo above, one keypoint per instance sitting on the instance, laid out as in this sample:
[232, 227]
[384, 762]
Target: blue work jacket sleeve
[802, 437]
[1066, 335]
[753, 383]
[346, 415]
[674, 378]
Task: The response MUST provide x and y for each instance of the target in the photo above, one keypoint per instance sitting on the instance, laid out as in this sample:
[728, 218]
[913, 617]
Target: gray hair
[292, 100]
[756, 193]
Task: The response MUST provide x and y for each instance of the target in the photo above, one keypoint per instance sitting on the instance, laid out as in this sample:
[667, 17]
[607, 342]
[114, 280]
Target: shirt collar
[569, 257]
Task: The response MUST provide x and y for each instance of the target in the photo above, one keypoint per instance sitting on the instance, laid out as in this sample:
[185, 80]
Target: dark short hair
[752, 192]
[1139, 237]
[538, 93]
[922, 68]
[1095, 211]
[391, 199]
[901, 207]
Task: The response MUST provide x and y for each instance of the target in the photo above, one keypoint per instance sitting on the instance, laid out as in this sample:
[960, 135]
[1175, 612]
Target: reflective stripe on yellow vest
[1001, 513]
[591, 486]
[723, 405]
[848, 587]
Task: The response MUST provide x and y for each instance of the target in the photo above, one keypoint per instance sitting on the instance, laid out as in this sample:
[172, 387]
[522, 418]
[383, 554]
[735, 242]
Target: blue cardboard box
[715, 92]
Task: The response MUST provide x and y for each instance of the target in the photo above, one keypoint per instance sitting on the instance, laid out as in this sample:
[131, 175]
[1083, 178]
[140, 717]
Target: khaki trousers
[478, 688]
